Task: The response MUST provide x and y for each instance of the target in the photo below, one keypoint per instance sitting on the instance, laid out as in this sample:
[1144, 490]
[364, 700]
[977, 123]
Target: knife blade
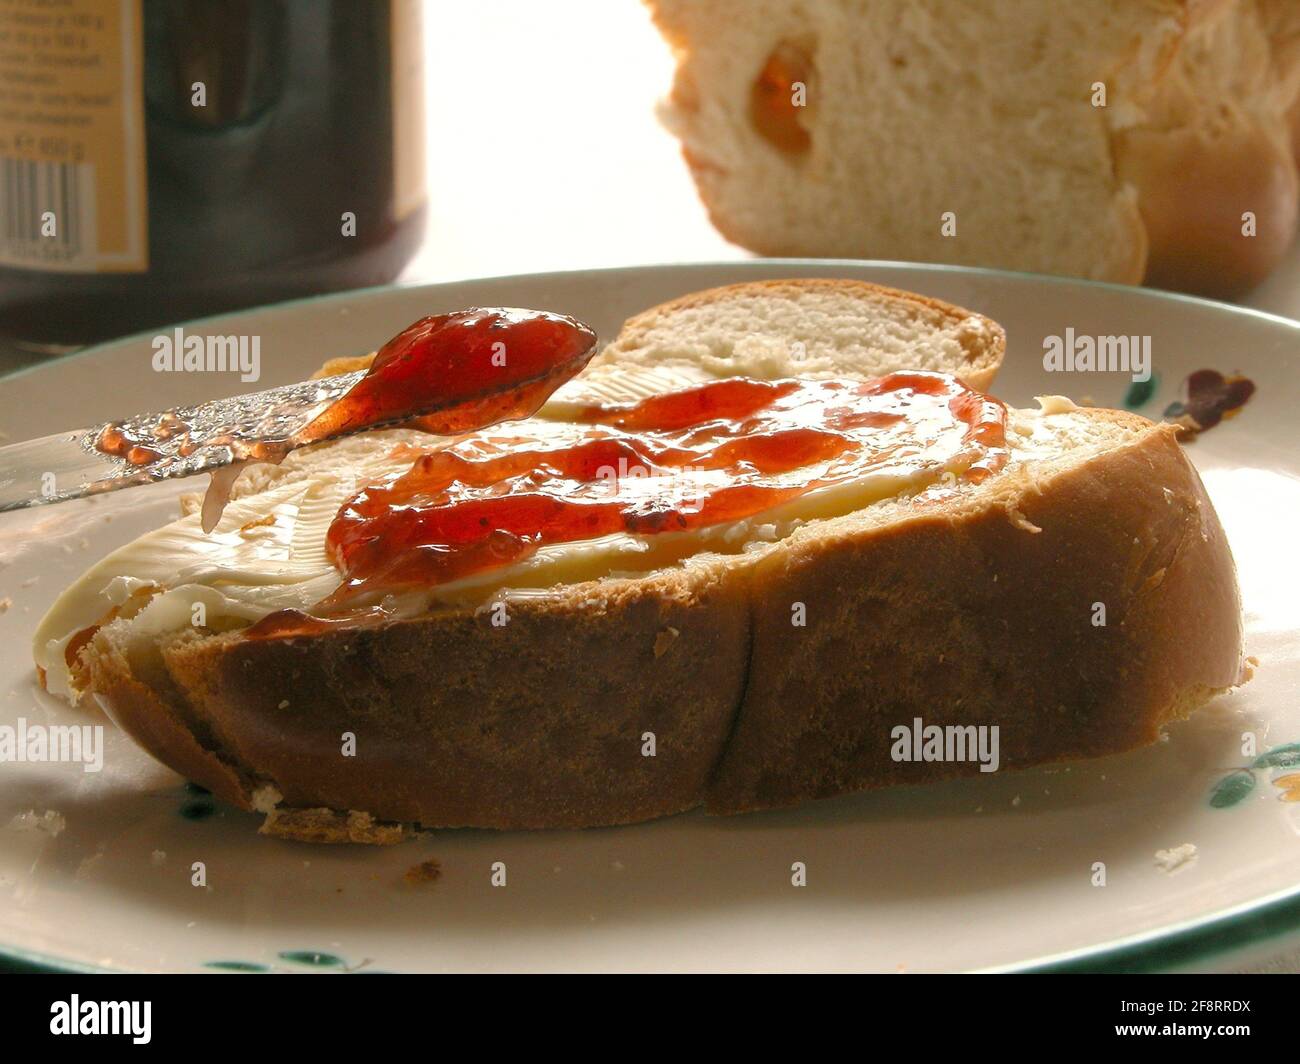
[187, 440]
[447, 373]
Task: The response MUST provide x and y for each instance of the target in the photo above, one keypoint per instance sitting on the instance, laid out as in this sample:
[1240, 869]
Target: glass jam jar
[166, 159]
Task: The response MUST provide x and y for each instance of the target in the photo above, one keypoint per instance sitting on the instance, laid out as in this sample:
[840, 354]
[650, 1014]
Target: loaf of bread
[765, 664]
[1120, 140]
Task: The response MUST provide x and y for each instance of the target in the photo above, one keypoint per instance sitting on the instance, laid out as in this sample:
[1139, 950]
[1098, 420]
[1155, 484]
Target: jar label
[73, 185]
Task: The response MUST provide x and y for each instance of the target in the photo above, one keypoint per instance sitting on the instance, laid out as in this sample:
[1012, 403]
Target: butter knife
[178, 443]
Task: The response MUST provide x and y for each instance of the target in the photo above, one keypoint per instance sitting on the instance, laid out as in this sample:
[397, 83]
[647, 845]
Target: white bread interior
[915, 110]
[810, 328]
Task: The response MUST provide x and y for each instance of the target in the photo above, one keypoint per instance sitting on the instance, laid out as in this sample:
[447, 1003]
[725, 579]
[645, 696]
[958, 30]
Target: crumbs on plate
[425, 872]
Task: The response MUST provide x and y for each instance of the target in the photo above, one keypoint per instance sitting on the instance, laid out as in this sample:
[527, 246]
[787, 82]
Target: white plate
[991, 872]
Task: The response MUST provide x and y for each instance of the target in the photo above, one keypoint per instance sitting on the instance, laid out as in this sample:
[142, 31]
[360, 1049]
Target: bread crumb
[1020, 521]
[1016, 800]
[5, 603]
[664, 640]
[425, 872]
[331, 826]
[265, 798]
[283, 705]
[1171, 861]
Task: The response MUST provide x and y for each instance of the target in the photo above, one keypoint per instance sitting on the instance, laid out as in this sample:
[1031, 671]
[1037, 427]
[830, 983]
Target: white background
[543, 147]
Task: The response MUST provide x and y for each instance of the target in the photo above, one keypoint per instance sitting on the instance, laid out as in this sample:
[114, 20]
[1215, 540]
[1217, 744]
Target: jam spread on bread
[717, 453]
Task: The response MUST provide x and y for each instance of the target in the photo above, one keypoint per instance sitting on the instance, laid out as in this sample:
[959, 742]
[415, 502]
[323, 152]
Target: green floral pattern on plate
[1240, 782]
[295, 960]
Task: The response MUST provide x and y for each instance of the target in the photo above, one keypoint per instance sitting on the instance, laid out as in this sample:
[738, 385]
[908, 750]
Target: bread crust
[956, 609]
[983, 347]
[542, 721]
[985, 615]
[1217, 147]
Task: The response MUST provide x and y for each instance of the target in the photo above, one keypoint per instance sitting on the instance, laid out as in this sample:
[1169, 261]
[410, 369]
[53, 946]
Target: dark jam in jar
[176, 158]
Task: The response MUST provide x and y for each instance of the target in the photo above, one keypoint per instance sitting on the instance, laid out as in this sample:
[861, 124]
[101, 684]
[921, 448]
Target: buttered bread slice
[750, 663]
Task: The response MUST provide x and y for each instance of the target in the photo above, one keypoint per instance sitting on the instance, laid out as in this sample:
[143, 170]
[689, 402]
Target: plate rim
[1157, 294]
[1190, 942]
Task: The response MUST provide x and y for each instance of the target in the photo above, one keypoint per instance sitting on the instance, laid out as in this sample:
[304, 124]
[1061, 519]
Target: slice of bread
[1106, 139]
[811, 328]
[766, 669]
